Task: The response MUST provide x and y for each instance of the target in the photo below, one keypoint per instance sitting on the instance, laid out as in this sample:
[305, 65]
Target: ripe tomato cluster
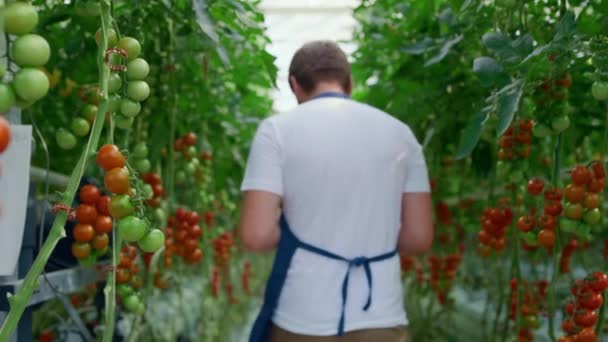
[153, 179]
[130, 227]
[94, 223]
[533, 297]
[567, 251]
[582, 313]
[222, 246]
[494, 223]
[184, 235]
[185, 145]
[245, 277]
[582, 195]
[516, 141]
[442, 273]
[545, 221]
[129, 280]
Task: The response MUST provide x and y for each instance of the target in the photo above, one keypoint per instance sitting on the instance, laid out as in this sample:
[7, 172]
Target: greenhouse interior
[152, 153]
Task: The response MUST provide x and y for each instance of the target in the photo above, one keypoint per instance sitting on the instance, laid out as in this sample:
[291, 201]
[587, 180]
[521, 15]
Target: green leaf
[497, 42]
[488, 70]
[507, 104]
[471, 134]
[418, 48]
[566, 26]
[539, 50]
[445, 49]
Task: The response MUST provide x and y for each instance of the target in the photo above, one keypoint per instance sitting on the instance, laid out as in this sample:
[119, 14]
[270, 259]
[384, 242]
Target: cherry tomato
[132, 229]
[568, 326]
[497, 217]
[523, 137]
[89, 194]
[109, 157]
[554, 208]
[600, 282]
[526, 223]
[506, 142]
[120, 206]
[596, 185]
[574, 193]
[592, 301]
[103, 205]
[117, 181]
[125, 261]
[100, 241]
[592, 216]
[526, 125]
[580, 175]
[123, 275]
[574, 211]
[195, 232]
[553, 194]
[193, 218]
[592, 201]
[586, 335]
[547, 222]
[586, 318]
[535, 186]
[5, 134]
[152, 241]
[195, 256]
[546, 238]
[181, 214]
[152, 178]
[158, 190]
[86, 213]
[570, 308]
[598, 170]
[103, 224]
[83, 232]
[484, 237]
[81, 250]
[189, 139]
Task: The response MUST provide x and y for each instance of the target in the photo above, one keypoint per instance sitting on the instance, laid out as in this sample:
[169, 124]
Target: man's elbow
[414, 245]
[253, 242]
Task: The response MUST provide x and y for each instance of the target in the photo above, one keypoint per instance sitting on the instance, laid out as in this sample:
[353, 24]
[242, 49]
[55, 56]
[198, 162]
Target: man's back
[341, 168]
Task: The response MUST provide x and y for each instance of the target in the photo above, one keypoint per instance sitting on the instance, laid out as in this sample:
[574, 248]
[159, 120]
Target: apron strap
[352, 263]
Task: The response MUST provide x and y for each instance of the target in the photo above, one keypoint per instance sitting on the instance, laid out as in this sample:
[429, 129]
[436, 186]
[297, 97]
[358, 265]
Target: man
[352, 185]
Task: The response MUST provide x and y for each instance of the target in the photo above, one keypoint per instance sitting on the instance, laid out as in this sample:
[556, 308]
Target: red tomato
[103, 224]
[117, 181]
[554, 208]
[580, 175]
[109, 157]
[83, 232]
[526, 223]
[547, 222]
[575, 193]
[86, 214]
[535, 186]
[553, 194]
[103, 205]
[586, 318]
[546, 238]
[89, 194]
[598, 170]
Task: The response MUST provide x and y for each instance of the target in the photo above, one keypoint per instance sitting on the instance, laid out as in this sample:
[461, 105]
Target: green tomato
[31, 84]
[129, 107]
[112, 37]
[114, 83]
[147, 191]
[89, 112]
[592, 217]
[21, 103]
[80, 127]
[120, 206]
[114, 103]
[153, 241]
[140, 150]
[190, 169]
[123, 122]
[137, 69]
[160, 215]
[599, 90]
[138, 90]
[19, 18]
[143, 165]
[7, 98]
[65, 139]
[30, 50]
[132, 229]
[561, 123]
[132, 303]
[530, 322]
[131, 46]
[124, 290]
[180, 177]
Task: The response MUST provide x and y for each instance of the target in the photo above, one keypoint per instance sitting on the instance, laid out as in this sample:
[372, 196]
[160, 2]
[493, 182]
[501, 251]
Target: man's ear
[351, 84]
[293, 84]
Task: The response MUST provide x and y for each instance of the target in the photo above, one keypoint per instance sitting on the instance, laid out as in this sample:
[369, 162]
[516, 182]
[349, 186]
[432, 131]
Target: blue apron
[288, 245]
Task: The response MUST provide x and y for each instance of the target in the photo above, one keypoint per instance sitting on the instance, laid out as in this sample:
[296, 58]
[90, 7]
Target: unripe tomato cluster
[222, 247]
[194, 163]
[582, 195]
[581, 314]
[158, 192]
[599, 59]
[183, 237]
[94, 223]
[494, 223]
[139, 158]
[130, 227]
[129, 280]
[545, 221]
[533, 297]
[126, 105]
[516, 141]
[30, 52]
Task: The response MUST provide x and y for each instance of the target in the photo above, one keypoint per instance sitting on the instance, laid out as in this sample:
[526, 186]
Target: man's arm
[416, 234]
[259, 227]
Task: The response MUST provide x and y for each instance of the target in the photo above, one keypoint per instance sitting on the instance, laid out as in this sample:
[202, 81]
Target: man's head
[319, 66]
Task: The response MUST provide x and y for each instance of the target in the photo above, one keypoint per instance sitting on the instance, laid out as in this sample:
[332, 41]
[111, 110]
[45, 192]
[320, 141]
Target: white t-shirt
[341, 168]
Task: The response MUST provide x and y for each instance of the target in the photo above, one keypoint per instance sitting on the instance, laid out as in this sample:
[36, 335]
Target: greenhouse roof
[292, 23]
